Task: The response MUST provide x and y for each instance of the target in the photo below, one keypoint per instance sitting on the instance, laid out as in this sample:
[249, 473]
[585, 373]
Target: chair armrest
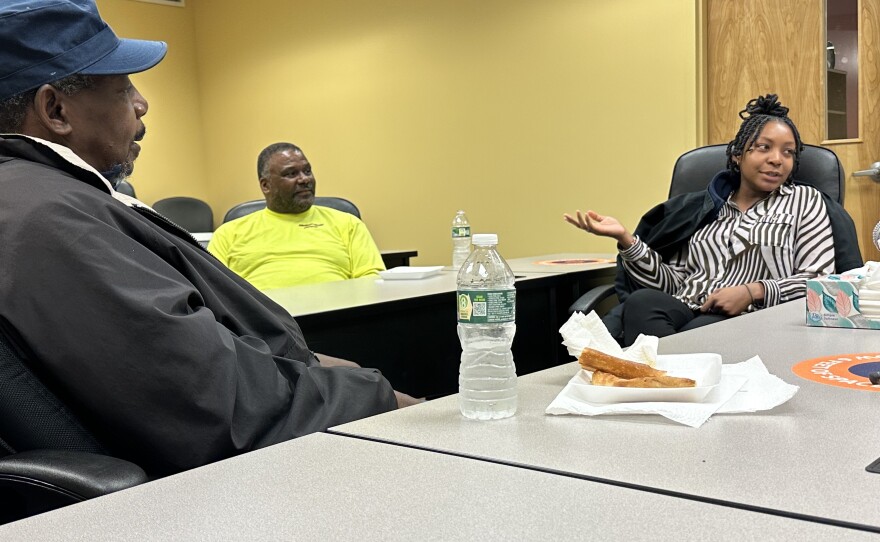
[590, 300]
[80, 475]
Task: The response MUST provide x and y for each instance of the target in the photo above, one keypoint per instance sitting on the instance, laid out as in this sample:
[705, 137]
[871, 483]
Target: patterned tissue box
[833, 301]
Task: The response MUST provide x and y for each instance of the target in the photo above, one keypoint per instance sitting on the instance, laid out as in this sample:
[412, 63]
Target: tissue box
[833, 301]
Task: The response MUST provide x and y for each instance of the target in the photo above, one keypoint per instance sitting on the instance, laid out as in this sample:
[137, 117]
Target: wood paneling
[863, 194]
[756, 47]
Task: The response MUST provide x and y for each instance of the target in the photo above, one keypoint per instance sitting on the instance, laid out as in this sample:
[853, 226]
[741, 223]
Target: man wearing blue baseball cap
[168, 358]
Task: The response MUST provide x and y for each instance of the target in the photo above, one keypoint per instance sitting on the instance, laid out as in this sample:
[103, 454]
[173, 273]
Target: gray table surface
[804, 458]
[543, 263]
[345, 294]
[324, 487]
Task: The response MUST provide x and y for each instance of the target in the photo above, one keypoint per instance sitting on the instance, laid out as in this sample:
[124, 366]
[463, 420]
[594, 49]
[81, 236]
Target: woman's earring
[735, 161]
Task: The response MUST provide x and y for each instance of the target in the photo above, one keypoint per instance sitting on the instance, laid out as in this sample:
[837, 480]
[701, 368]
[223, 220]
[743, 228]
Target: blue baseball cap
[45, 40]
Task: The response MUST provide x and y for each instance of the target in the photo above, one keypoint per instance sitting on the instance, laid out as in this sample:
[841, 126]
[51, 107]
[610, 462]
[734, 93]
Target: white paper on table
[744, 387]
[587, 330]
[762, 391]
[691, 414]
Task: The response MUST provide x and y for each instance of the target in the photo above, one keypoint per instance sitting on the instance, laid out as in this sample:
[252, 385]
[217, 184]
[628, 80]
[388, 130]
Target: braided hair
[756, 115]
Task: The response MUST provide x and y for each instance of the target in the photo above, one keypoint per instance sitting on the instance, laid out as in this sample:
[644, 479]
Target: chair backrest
[31, 416]
[819, 167]
[340, 204]
[244, 209]
[49, 459]
[126, 188]
[191, 214]
[248, 207]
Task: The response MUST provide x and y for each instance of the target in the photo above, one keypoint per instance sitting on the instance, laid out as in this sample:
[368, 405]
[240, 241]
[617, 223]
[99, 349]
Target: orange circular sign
[844, 370]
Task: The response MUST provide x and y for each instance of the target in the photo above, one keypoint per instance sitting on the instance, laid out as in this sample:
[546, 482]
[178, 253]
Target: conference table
[407, 328]
[794, 472]
[803, 459]
[326, 487]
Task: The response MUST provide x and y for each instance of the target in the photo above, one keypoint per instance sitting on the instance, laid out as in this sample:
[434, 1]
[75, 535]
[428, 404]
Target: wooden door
[759, 46]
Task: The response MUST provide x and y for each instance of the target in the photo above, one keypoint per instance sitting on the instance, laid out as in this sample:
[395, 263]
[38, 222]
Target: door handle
[873, 173]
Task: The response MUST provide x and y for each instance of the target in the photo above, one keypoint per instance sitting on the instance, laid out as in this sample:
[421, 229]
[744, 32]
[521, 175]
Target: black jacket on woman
[672, 223]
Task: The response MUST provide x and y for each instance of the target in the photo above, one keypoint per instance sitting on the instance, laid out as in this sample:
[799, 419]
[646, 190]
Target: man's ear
[264, 185]
[50, 110]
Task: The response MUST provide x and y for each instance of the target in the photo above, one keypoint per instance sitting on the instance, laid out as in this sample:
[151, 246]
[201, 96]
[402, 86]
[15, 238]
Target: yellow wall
[515, 110]
[172, 161]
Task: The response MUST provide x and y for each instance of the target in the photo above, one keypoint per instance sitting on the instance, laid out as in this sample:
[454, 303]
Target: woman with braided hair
[750, 241]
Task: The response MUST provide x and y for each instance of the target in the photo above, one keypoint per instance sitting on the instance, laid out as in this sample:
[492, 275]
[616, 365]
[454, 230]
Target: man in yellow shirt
[293, 241]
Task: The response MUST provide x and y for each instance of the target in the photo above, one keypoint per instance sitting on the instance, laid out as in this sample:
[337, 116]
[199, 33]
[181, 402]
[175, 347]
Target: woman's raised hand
[606, 226]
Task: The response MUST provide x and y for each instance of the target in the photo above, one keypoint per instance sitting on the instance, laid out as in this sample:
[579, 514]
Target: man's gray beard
[117, 173]
[295, 207]
[301, 207]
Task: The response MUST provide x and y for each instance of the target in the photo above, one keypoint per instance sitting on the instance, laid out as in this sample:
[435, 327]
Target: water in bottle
[461, 239]
[486, 325]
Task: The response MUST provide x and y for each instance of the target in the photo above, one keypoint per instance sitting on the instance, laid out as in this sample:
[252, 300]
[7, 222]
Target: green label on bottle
[486, 306]
[461, 231]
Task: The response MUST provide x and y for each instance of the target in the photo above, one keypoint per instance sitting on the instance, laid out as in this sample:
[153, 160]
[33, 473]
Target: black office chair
[126, 188]
[49, 459]
[191, 214]
[244, 209]
[819, 167]
[248, 207]
[340, 204]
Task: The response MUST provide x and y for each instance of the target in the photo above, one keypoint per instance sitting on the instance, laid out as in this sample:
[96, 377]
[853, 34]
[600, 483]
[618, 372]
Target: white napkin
[868, 288]
[583, 330]
[744, 387]
[868, 273]
[762, 390]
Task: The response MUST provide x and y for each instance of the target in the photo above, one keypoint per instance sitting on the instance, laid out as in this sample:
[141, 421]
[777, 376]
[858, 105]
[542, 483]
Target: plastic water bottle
[461, 239]
[486, 325]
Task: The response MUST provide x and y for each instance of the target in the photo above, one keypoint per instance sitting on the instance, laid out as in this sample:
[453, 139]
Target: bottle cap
[485, 239]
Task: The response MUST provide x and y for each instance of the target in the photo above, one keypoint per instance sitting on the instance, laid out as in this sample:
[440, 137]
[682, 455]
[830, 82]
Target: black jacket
[665, 227]
[169, 358]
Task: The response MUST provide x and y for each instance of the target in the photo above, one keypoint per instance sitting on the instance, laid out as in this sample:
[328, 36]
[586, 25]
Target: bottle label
[461, 231]
[486, 306]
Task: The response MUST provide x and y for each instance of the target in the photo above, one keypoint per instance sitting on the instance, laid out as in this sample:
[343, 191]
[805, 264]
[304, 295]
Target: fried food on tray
[605, 379]
[593, 360]
[620, 373]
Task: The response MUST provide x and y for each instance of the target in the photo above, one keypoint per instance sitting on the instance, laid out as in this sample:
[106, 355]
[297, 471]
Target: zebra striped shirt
[780, 241]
